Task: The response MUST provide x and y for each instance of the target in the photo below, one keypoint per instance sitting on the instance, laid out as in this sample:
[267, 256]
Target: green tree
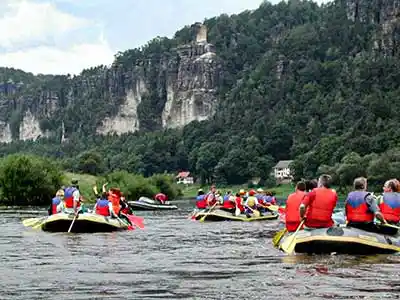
[28, 180]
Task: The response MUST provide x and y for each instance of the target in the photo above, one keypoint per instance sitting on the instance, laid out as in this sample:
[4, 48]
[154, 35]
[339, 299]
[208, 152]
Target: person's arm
[305, 202]
[111, 210]
[374, 208]
[104, 187]
[76, 196]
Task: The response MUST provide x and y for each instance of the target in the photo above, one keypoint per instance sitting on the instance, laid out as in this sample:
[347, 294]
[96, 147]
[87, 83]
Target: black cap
[74, 181]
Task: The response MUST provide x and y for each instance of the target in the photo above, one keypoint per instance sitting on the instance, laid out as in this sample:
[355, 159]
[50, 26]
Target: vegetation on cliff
[318, 84]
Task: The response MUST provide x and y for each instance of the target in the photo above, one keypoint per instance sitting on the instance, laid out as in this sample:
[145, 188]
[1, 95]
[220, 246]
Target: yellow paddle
[391, 226]
[209, 211]
[32, 221]
[278, 236]
[255, 212]
[289, 244]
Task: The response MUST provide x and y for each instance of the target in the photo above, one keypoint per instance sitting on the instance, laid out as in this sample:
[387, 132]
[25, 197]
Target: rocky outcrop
[191, 88]
[139, 91]
[385, 14]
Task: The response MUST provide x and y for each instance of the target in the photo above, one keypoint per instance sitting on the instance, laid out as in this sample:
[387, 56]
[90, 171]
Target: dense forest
[317, 84]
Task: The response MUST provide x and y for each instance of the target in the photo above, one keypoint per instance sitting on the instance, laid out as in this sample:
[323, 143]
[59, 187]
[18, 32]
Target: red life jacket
[69, 198]
[390, 207]
[319, 211]
[114, 198]
[357, 209]
[228, 204]
[210, 199]
[102, 207]
[238, 201]
[54, 203]
[292, 213]
[201, 202]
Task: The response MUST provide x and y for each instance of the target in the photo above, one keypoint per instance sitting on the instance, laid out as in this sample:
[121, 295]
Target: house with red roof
[184, 178]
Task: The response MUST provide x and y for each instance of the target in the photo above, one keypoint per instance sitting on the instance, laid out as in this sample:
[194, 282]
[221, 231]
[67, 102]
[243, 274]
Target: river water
[176, 258]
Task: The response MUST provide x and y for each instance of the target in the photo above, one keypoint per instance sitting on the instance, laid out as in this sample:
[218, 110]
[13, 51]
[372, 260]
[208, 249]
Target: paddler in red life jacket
[210, 197]
[126, 209]
[389, 204]
[103, 206]
[320, 203]
[200, 200]
[161, 198]
[292, 210]
[229, 202]
[239, 202]
[72, 198]
[361, 207]
[57, 204]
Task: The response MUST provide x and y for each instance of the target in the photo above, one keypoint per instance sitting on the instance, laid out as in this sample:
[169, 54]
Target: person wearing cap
[242, 193]
[72, 198]
[161, 198]
[57, 203]
[251, 203]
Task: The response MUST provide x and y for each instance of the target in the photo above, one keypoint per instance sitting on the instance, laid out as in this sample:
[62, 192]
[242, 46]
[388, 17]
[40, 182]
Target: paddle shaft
[293, 236]
[73, 221]
[207, 213]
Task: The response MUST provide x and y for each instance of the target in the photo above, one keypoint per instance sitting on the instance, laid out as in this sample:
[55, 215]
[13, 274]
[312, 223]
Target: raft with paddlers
[223, 215]
[83, 223]
[340, 240]
[145, 203]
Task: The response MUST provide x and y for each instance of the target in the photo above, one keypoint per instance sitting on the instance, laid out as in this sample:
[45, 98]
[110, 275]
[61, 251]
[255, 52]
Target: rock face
[385, 14]
[192, 83]
[163, 89]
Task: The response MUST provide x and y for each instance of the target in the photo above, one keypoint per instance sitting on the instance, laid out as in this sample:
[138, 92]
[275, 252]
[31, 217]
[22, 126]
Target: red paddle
[138, 221]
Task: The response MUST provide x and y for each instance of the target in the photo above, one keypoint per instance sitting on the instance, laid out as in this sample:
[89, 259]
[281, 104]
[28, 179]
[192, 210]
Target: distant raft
[145, 203]
[343, 240]
[84, 223]
[223, 215]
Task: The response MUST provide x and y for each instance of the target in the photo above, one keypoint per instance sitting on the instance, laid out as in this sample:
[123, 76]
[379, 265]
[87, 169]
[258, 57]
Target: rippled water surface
[176, 258]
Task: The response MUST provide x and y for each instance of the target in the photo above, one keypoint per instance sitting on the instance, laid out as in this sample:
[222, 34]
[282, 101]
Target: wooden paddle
[32, 221]
[278, 236]
[73, 221]
[288, 245]
[207, 213]
[391, 226]
[255, 212]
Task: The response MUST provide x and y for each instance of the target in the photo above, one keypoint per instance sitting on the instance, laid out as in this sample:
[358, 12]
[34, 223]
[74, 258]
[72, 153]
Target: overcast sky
[65, 36]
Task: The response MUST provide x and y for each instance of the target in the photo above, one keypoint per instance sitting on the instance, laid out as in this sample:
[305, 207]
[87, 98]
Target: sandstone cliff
[166, 89]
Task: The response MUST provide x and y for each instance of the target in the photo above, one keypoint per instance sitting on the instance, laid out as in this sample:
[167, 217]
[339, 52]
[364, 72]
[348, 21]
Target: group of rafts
[368, 225]
[111, 212]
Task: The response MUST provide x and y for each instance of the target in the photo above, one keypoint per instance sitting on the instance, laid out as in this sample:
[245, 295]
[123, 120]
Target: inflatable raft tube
[222, 215]
[343, 240]
[148, 204]
[84, 223]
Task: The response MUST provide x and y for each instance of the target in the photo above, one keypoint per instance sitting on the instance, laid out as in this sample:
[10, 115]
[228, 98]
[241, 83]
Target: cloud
[39, 38]
[51, 60]
[27, 22]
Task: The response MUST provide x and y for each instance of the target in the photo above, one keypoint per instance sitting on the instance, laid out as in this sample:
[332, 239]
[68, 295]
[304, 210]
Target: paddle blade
[289, 244]
[237, 211]
[278, 236]
[256, 213]
[137, 221]
[31, 221]
[273, 207]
